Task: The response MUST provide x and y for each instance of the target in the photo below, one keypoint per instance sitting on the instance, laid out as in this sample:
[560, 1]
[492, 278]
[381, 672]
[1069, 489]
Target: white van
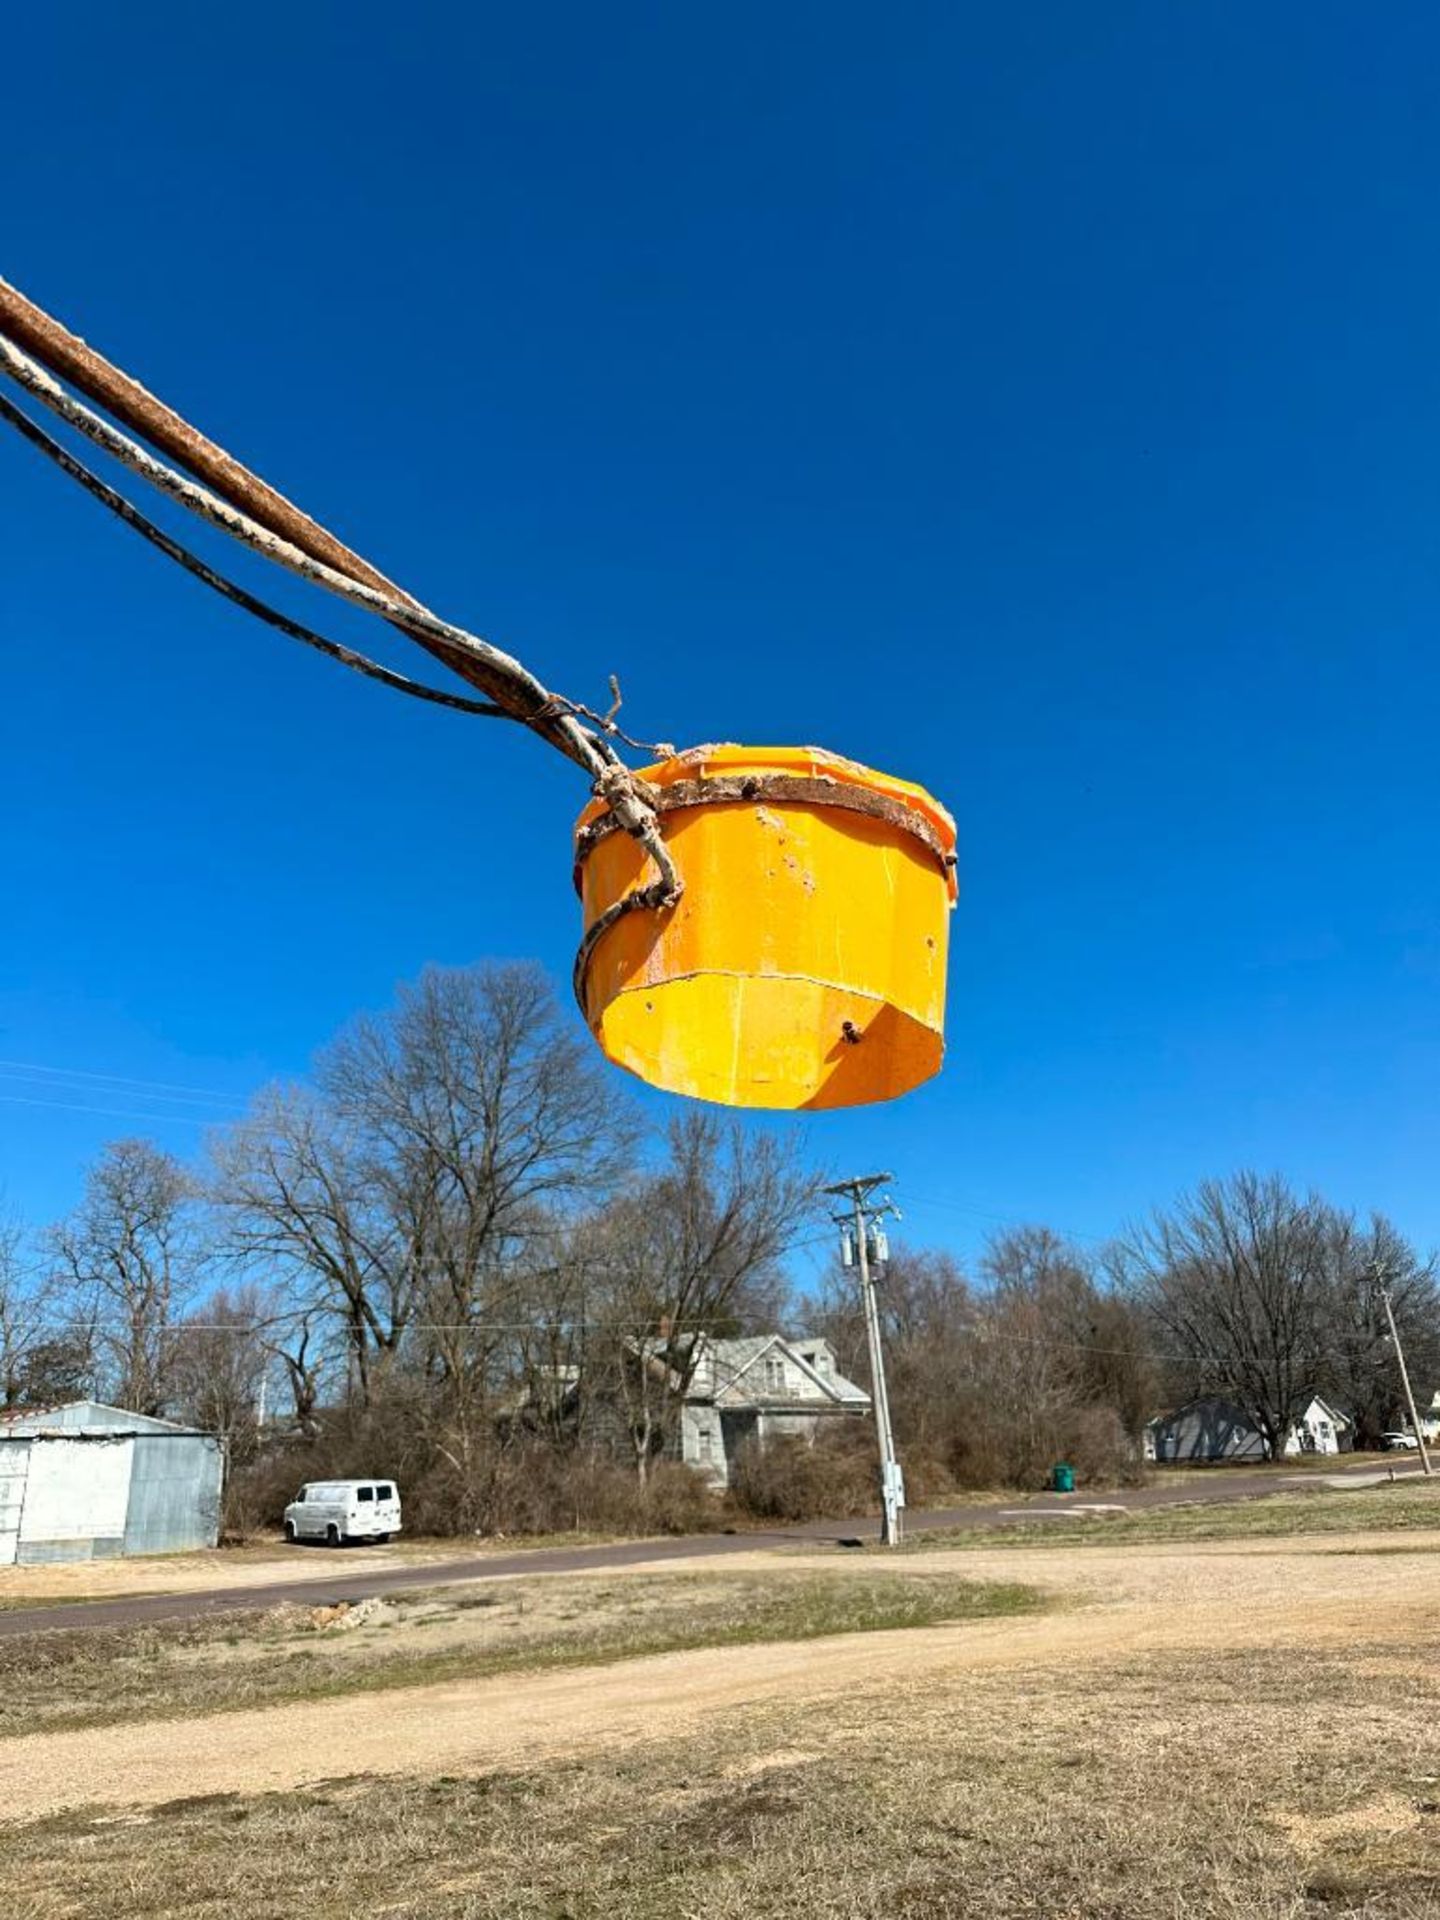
[339, 1510]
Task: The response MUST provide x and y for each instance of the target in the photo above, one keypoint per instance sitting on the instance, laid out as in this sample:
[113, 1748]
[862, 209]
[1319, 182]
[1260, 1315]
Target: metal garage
[87, 1481]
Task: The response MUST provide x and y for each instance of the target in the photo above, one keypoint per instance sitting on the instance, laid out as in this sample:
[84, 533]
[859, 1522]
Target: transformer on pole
[864, 1246]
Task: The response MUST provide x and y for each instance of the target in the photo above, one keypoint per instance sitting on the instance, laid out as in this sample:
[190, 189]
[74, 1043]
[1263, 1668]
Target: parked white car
[1400, 1442]
[337, 1511]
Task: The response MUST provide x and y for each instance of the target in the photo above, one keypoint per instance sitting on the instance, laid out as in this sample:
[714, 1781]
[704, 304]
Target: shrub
[526, 1486]
[790, 1478]
[676, 1500]
[1095, 1443]
[987, 1450]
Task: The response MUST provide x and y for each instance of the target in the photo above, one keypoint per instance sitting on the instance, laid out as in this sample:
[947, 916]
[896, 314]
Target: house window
[707, 1443]
[775, 1374]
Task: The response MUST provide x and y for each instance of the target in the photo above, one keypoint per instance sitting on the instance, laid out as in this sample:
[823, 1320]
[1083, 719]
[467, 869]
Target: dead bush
[1094, 1442]
[536, 1487]
[790, 1478]
[523, 1485]
[677, 1500]
[928, 1479]
[989, 1448]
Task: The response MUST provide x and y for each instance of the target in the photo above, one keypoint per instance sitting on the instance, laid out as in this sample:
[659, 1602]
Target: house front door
[735, 1430]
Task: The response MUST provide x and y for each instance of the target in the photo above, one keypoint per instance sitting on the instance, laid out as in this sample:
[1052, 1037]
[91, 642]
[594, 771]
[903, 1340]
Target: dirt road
[1217, 1596]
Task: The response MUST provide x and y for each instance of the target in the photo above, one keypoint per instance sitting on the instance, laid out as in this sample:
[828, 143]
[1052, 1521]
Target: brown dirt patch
[1133, 1603]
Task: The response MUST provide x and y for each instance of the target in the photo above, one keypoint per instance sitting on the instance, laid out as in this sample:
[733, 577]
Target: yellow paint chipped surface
[805, 964]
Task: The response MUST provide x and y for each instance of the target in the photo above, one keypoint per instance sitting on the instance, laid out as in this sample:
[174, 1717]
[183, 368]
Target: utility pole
[860, 1232]
[1380, 1280]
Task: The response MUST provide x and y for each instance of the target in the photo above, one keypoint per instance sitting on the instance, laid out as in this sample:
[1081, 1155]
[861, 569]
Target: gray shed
[87, 1482]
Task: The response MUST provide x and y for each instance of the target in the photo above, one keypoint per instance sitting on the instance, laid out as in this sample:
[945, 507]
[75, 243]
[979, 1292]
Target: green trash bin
[1062, 1478]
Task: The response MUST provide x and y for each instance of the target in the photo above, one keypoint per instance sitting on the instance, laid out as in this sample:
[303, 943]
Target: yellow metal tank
[804, 965]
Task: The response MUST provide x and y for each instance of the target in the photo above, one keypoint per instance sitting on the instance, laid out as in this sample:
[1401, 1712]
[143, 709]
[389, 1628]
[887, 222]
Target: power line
[124, 1079]
[160, 1097]
[256, 524]
[560, 1328]
[126, 511]
[256, 515]
[166, 1102]
[117, 1113]
[245, 508]
[1006, 1220]
[566, 1327]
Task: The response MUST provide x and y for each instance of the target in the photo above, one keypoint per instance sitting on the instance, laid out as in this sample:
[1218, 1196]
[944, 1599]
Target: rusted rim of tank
[783, 788]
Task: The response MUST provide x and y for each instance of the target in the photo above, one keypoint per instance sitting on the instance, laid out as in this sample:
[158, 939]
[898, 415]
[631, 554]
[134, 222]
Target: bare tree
[294, 1204]
[22, 1322]
[1357, 1369]
[1234, 1279]
[44, 1357]
[128, 1260]
[218, 1364]
[694, 1250]
[295, 1337]
[992, 1382]
[929, 1316]
[1028, 1366]
[1120, 1370]
[409, 1208]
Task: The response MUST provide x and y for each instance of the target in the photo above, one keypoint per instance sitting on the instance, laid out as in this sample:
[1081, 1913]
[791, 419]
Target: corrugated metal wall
[14, 1472]
[174, 1493]
[87, 1416]
[76, 1494]
[84, 1486]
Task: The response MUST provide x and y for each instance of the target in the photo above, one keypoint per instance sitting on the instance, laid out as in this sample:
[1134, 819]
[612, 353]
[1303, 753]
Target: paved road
[408, 1576]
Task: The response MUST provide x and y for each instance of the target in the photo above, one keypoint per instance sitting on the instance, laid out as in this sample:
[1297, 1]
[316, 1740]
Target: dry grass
[93, 1678]
[1382, 1509]
[1255, 1786]
[254, 1562]
[1295, 1776]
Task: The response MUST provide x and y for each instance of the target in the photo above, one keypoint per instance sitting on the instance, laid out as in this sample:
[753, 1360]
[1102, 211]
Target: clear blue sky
[1041, 402]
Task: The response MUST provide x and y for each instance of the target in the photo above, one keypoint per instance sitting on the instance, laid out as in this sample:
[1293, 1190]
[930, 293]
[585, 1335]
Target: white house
[1219, 1430]
[759, 1388]
[1321, 1428]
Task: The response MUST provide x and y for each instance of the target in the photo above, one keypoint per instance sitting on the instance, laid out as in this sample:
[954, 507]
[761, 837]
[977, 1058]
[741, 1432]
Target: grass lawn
[1255, 1786]
[1386, 1508]
[100, 1677]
